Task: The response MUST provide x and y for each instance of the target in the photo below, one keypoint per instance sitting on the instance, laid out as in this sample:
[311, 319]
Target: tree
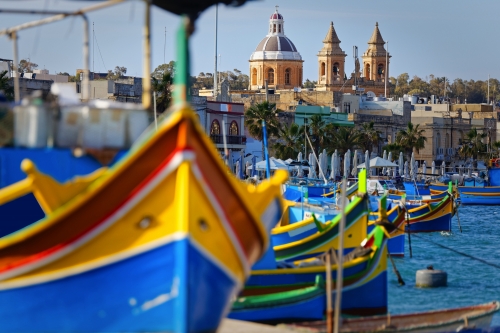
[288, 142]
[162, 79]
[118, 72]
[310, 84]
[369, 136]
[411, 139]
[26, 66]
[254, 116]
[473, 145]
[316, 131]
[401, 85]
[6, 86]
[63, 73]
[164, 68]
[341, 138]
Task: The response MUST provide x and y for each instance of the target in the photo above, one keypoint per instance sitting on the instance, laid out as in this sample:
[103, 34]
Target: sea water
[470, 282]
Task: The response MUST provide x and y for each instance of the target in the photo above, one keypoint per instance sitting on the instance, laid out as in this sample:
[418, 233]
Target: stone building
[446, 127]
[276, 59]
[331, 62]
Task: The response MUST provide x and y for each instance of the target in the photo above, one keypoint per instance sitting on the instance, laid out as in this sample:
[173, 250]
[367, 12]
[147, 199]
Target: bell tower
[374, 59]
[331, 62]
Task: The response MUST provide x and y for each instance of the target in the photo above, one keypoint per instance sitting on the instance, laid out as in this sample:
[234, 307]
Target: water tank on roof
[414, 99]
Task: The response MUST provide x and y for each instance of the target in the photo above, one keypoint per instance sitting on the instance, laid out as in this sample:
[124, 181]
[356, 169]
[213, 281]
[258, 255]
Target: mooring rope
[459, 252]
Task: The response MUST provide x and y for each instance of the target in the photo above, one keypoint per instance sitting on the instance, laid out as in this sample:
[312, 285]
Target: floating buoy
[431, 278]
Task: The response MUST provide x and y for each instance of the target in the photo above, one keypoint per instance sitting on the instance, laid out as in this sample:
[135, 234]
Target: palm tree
[316, 131]
[342, 138]
[163, 91]
[369, 136]
[394, 148]
[473, 145]
[254, 116]
[5, 86]
[411, 139]
[289, 141]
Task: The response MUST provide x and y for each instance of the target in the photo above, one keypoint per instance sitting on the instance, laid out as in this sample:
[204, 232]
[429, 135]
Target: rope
[456, 251]
[459, 252]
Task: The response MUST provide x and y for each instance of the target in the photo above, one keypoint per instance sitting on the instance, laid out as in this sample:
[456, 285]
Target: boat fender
[431, 278]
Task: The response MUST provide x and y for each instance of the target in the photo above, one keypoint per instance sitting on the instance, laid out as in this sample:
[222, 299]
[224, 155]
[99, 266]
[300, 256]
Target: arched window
[233, 128]
[215, 128]
[254, 76]
[279, 28]
[270, 27]
[380, 70]
[270, 76]
[367, 72]
[274, 28]
[336, 69]
[323, 68]
[287, 76]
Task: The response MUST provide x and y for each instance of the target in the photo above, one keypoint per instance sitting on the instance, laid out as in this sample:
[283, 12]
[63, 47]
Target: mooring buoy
[431, 278]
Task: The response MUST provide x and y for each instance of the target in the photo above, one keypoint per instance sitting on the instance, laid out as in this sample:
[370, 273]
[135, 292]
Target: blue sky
[445, 38]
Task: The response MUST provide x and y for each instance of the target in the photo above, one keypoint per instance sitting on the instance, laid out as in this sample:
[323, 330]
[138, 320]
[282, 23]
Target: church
[277, 60]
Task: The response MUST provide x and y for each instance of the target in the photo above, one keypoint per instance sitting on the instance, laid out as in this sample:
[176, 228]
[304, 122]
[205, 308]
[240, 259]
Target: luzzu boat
[298, 294]
[159, 242]
[432, 216]
[395, 214]
[294, 240]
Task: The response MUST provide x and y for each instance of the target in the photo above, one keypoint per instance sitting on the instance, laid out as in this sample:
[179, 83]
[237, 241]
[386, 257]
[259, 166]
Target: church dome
[276, 45]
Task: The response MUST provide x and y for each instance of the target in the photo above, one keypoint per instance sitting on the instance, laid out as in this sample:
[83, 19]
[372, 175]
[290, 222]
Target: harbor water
[470, 281]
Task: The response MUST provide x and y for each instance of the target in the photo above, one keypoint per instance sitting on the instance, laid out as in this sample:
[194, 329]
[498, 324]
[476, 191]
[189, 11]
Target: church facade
[370, 77]
[277, 61]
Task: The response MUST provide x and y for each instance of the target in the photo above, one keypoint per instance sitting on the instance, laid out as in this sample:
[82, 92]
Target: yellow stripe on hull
[159, 214]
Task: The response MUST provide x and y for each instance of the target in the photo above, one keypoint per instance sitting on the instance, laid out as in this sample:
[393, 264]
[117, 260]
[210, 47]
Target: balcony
[230, 139]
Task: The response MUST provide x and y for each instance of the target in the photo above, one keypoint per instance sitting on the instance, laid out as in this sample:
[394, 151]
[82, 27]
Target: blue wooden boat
[292, 294]
[395, 215]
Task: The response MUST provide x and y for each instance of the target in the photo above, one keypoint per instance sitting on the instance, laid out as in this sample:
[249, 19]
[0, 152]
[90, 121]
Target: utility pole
[215, 72]
[488, 88]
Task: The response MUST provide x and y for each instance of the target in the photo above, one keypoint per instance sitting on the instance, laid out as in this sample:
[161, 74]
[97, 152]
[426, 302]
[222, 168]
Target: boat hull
[149, 291]
[373, 294]
[479, 199]
[439, 223]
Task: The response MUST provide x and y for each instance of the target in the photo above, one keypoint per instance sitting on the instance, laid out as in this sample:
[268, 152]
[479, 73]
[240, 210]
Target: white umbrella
[384, 156]
[433, 168]
[401, 164]
[443, 168]
[274, 164]
[247, 168]
[367, 163]
[299, 159]
[347, 163]
[337, 163]
[320, 170]
[312, 163]
[377, 162]
[406, 170]
[332, 171]
[460, 170]
[354, 172]
[325, 162]
[394, 172]
[412, 166]
[424, 169]
[237, 168]
[389, 158]
[416, 170]
[469, 171]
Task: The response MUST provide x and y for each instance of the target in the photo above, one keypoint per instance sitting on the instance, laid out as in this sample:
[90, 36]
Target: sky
[456, 39]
